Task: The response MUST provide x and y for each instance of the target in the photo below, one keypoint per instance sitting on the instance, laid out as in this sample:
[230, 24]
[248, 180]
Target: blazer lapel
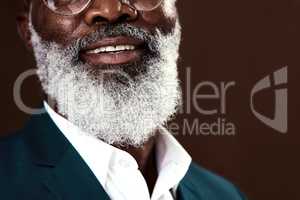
[187, 190]
[184, 193]
[62, 171]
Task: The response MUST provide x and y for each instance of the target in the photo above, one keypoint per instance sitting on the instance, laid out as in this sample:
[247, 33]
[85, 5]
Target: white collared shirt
[117, 171]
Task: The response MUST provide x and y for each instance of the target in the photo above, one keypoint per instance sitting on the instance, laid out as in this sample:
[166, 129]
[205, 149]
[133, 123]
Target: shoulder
[12, 140]
[13, 154]
[17, 173]
[10, 144]
[13, 146]
[209, 185]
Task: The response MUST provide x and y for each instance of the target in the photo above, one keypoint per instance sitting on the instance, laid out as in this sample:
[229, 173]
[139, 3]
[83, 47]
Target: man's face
[65, 29]
[110, 69]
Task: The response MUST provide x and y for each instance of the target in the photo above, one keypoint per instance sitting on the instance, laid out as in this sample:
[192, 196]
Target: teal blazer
[38, 163]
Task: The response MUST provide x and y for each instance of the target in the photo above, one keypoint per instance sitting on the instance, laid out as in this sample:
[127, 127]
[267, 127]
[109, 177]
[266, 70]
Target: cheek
[169, 8]
[158, 19]
[167, 11]
[52, 27]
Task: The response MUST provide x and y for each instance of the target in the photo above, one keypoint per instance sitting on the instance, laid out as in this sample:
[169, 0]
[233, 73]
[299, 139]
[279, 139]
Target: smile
[113, 51]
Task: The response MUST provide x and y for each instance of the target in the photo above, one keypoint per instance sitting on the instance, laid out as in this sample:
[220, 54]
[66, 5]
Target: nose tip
[109, 11]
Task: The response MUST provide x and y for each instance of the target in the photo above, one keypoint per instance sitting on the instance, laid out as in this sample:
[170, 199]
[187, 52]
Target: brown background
[232, 40]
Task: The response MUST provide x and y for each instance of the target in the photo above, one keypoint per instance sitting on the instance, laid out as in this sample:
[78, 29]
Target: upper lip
[114, 41]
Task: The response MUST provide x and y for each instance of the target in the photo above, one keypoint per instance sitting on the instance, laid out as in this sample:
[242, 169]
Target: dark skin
[65, 29]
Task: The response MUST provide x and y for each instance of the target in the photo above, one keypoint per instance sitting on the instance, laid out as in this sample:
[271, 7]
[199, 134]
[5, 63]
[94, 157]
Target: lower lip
[112, 58]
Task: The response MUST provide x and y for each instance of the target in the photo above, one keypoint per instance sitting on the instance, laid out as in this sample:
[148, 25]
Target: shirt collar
[172, 162]
[89, 147]
[171, 158]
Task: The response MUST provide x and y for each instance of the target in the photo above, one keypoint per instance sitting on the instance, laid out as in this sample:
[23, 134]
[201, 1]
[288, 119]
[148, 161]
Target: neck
[145, 157]
[142, 154]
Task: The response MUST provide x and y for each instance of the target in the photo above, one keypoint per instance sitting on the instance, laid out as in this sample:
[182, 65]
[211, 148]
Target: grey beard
[114, 105]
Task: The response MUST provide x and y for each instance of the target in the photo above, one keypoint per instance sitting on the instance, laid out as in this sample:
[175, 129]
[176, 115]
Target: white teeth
[109, 49]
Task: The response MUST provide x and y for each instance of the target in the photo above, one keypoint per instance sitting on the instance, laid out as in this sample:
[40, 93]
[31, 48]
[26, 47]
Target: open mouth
[113, 51]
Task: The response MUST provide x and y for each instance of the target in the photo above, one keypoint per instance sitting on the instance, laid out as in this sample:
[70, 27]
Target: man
[108, 69]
